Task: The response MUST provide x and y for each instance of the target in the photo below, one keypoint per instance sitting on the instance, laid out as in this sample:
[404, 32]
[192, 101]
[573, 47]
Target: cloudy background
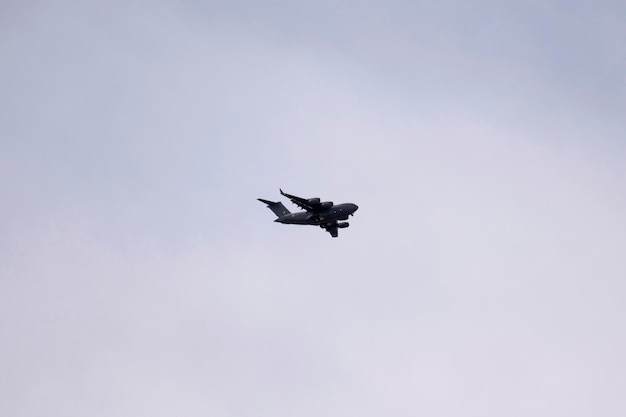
[483, 275]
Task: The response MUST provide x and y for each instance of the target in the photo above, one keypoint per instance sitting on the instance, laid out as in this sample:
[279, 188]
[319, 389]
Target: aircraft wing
[303, 203]
[332, 229]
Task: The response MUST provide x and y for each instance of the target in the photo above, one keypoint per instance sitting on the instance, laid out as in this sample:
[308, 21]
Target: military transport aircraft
[323, 214]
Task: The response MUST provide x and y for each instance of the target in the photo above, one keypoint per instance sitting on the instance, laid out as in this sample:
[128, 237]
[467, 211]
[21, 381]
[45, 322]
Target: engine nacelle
[313, 201]
[343, 225]
[326, 205]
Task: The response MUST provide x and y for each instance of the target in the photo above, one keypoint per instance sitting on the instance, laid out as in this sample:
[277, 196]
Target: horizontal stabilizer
[277, 207]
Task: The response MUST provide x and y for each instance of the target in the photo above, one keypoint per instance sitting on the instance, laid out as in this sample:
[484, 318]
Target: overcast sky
[483, 275]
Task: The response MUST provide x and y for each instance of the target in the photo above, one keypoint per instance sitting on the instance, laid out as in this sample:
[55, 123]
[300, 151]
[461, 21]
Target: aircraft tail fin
[277, 207]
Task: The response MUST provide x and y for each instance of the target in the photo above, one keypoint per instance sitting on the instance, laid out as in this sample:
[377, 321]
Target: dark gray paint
[323, 214]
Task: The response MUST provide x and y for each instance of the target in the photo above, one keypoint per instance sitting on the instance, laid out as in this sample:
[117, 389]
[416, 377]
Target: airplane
[323, 214]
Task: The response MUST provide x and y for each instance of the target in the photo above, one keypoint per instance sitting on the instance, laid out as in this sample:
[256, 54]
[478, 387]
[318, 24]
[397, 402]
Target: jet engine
[313, 201]
[326, 205]
[343, 225]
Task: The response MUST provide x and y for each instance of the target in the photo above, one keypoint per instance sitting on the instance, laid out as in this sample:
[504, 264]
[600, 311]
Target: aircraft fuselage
[334, 213]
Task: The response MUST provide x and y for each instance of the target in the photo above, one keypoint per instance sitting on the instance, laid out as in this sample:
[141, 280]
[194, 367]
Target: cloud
[482, 273]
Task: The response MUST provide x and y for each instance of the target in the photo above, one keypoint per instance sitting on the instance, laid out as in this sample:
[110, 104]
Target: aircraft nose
[355, 207]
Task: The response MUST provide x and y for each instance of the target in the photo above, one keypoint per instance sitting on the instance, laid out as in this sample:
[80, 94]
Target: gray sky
[483, 274]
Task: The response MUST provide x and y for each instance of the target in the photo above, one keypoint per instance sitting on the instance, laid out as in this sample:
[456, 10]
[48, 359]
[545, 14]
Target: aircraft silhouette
[323, 214]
